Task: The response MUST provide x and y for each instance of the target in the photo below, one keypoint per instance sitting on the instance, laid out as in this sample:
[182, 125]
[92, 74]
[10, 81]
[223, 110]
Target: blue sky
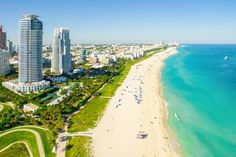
[102, 21]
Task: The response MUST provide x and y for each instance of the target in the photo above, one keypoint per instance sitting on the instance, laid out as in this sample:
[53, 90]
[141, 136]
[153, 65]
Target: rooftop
[30, 16]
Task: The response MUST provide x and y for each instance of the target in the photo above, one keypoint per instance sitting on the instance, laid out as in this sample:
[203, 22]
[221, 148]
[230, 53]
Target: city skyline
[117, 78]
[114, 22]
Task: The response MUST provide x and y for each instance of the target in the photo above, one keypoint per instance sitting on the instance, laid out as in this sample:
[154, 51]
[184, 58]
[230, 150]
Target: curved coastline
[198, 85]
[173, 142]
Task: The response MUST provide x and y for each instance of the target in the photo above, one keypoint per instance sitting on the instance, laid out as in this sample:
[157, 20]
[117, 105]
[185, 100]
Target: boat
[226, 58]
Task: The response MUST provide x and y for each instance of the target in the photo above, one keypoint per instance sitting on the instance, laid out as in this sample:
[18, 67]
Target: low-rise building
[78, 71]
[26, 88]
[30, 108]
[93, 59]
[58, 79]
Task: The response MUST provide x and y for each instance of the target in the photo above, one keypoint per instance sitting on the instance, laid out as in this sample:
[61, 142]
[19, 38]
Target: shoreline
[137, 106]
[173, 142]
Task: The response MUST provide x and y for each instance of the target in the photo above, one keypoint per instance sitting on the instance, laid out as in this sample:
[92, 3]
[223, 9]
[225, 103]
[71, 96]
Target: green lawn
[78, 147]
[20, 136]
[30, 139]
[47, 140]
[6, 107]
[109, 89]
[15, 149]
[88, 116]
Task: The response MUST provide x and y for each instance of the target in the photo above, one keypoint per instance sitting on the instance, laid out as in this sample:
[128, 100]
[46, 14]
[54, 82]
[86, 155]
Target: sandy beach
[134, 123]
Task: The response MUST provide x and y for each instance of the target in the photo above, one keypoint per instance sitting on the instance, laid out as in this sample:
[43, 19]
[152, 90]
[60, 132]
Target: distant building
[3, 38]
[61, 57]
[105, 60]
[59, 79]
[30, 52]
[9, 46]
[78, 71]
[114, 58]
[83, 54]
[4, 62]
[93, 59]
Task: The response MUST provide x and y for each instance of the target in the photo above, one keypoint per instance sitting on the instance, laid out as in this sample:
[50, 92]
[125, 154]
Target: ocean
[199, 85]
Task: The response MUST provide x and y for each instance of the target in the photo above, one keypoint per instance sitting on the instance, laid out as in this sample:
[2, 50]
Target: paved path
[7, 103]
[37, 135]
[11, 104]
[107, 97]
[32, 126]
[61, 143]
[20, 142]
[28, 126]
[87, 134]
[62, 136]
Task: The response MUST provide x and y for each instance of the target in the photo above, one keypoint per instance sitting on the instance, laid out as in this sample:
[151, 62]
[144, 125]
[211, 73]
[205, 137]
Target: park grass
[18, 148]
[6, 108]
[109, 89]
[78, 147]
[47, 140]
[46, 137]
[27, 137]
[88, 116]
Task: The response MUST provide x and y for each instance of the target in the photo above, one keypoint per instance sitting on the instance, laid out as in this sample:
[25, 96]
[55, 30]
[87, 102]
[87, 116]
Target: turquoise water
[200, 90]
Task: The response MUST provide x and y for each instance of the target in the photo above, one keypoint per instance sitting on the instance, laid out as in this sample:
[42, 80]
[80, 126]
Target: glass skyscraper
[61, 57]
[30, 49]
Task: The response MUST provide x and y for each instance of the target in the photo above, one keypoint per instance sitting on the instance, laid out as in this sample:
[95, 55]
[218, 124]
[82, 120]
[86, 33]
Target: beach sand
[137, 106]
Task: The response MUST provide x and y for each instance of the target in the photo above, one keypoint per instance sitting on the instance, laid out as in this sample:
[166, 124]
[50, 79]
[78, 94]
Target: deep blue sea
[200, 89]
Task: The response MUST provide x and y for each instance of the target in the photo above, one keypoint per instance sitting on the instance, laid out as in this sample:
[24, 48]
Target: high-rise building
[4, 62]
[9, 46]
[30, 57]
[3, 38]
[61, 57]
[30, 49]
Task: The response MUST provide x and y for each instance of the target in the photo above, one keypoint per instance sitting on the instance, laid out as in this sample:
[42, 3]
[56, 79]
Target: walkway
[62, 136]
[87, 134]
